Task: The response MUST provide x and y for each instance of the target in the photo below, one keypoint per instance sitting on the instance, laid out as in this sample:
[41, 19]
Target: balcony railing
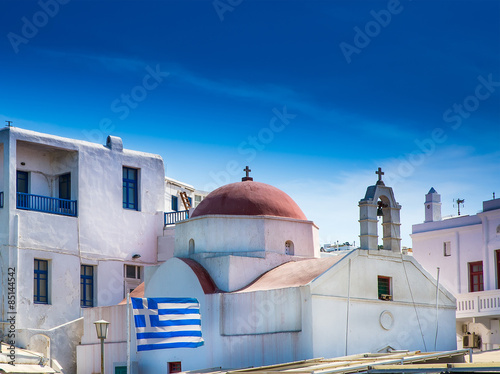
[173, 217]
[46, 204]
[476, 304]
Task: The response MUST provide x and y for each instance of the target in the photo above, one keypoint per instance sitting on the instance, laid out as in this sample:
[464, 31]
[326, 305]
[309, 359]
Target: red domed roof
[249, 198]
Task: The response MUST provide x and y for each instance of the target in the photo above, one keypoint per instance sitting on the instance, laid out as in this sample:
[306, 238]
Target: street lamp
[101, 327]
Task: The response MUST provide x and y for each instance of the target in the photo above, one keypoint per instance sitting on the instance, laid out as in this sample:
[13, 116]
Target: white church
[251, 258]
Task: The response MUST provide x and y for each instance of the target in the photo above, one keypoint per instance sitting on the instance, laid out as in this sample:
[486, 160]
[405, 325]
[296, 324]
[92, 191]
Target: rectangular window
[22, 182]
[447, 248]
[132, 277]
[174, 367]
[41, 280]
[384, 288]
[175, 205]
[65, 186]
[476, 276]
[197, 200]
[130, 188]
[87, 286]
[132, 272]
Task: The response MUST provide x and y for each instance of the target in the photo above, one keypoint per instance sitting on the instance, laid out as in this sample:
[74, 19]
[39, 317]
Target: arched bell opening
[384, 219]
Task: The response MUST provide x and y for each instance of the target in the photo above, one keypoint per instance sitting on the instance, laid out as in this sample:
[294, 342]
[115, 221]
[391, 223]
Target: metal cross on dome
[247, 177]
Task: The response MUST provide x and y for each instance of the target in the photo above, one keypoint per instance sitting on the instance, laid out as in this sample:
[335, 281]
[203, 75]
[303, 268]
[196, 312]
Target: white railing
[475, 304]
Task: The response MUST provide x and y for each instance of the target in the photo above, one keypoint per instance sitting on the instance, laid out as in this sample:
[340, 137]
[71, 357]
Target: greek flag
[167, 323]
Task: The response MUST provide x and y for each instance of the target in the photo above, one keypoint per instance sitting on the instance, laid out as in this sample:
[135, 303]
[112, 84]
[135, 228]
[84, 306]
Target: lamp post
[101, 327]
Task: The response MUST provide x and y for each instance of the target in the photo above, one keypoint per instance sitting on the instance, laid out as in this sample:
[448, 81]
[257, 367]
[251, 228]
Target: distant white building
[467, 251]
[175, 211]
[251, 258]
[173, 200]
[78, 224]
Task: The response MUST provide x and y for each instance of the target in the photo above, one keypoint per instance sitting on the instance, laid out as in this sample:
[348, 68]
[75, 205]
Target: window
[384, 288]
[133, 275]
[175, 205]
[174, 367]
[197, 200]
[190, 199]
[65, 186]
[22, 182]
[130, 188]
[289, 248]
[191, 246]
[476, 276]
[87, 286]
[41, 280]
[132, 271]
[447, 248]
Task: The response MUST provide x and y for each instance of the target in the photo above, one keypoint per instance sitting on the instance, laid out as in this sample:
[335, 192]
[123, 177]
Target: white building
[173, 200]
[467, 251]
[176, 211]
[78, 224]
[251, 258]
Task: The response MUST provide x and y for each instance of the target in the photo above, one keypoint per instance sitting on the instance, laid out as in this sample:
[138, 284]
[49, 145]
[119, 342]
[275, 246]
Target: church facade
[251, 258]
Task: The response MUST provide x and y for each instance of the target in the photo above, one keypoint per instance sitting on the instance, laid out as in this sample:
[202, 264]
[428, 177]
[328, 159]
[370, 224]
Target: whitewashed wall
[268, 234]
[230, 351]
[413, 288]
[115, 345]
[472, 238]
[428, 250]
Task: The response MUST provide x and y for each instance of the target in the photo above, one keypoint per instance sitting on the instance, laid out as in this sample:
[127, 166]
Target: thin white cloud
[111, 63]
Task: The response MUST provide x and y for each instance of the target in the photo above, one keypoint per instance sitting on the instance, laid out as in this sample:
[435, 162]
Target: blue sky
[312, 95]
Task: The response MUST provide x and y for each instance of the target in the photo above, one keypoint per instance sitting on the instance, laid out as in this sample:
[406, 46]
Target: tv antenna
[459, 201]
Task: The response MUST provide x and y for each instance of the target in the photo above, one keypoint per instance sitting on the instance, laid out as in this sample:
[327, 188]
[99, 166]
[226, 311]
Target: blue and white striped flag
[167, 323]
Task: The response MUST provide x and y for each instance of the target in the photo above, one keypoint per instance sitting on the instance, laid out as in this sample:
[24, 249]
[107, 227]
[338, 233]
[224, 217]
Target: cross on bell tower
[379, 172]
[247, 171]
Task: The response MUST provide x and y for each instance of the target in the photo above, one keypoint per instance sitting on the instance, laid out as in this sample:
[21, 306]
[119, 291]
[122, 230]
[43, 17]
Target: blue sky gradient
[212, 86]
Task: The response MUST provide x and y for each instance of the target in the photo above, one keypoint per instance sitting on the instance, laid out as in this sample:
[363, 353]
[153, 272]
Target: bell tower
[379, 201]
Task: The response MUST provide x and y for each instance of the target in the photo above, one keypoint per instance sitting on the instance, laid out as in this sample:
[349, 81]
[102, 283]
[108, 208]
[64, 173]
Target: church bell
[380, 213]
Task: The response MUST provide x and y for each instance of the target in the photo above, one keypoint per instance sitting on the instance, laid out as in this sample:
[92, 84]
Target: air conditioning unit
[385, 297]
[470, 341]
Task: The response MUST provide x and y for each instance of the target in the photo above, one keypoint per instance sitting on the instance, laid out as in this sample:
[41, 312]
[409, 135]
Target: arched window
[289, 247]
[191, 246]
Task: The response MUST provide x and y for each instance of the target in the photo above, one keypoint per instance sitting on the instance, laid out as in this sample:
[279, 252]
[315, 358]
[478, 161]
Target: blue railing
[46, 204]
[173, 217]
